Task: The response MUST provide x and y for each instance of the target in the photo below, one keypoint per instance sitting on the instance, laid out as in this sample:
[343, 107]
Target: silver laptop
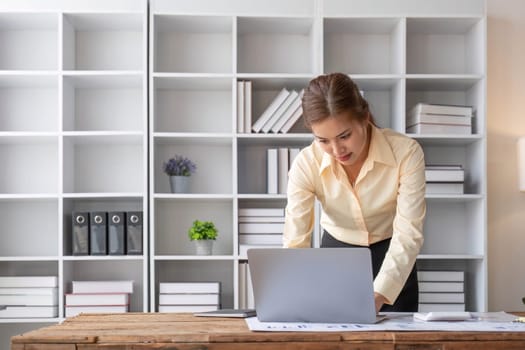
[324, 285]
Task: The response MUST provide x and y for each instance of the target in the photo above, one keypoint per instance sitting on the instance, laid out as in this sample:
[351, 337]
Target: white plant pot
[180, 184]
[203, 246]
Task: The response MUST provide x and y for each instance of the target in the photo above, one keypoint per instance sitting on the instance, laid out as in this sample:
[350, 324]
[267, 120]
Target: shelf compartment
[265, 89]
[469, 156]
[192, 44]
[475, 278]
[252, 161]
[106, 163]
[275, 45]
[105, 204]
[41, 115]
[196, 271]
[384, 96]
[173, 218]
[364, 45]
[29, 41]
[461, 234]
[103, 103]
[103, 41]
[445, 45]
[105, 270]
[30, 165]
[28, 268]
[29, 227]
[212, 155]
[453, 90]
[192, 104]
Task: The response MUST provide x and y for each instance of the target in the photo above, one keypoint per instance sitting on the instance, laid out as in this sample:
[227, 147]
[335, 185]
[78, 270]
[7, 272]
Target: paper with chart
[481, 322]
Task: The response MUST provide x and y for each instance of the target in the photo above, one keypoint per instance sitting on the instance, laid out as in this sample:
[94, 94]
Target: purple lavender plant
[179, 166]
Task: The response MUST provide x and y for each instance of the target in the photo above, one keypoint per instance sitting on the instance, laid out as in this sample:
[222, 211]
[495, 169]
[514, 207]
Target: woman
[370, 183]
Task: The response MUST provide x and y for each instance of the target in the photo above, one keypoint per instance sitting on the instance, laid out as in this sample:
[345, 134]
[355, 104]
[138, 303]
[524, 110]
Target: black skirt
[408, 299]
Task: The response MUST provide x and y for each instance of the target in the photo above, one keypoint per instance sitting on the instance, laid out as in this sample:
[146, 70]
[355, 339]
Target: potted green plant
[179, 169]
[203, 233]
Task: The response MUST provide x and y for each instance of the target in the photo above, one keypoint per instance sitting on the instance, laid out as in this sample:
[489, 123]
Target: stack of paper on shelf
[98, 297]
[444, 179]
[281, 114]
[425, 118]
[189, 296]
[29, 296]
[246, 299]
[260, 228]
[278, 164]
[441, 290]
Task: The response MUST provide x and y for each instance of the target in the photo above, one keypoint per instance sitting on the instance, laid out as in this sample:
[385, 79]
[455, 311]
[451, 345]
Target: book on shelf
[294, 152]
[246, 282]
[292, 120]
[96, 299]
[29, 300]
[280, 111]
[261, 227]
[283, 167]
[261, 219]
[240, 106]
[101, 287]
[417, 118]
[248, 106]
[425, 128]
[441, 298]
[272, 171]
[189, 287]
[261, 212]
[443, 109]
[71, 311]
[270, 109]
[29, 291]
[243, 248]
[242, 282]
[29, 312]
[428, 307]
[28, 281]
[444, 188]
[440, 276]
[296, 103]
[189, 299]
[444, 175]
[447, 287]
[187, 308]
[263, 239]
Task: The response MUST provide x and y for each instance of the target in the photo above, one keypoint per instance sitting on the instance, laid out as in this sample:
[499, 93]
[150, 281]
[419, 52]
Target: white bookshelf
[399, 53]
[73, 137]
[116, 89]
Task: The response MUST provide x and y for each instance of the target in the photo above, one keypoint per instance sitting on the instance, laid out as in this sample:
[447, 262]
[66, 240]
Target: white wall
[506, 122]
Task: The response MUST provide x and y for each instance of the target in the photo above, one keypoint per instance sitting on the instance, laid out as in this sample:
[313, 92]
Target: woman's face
[343, 137]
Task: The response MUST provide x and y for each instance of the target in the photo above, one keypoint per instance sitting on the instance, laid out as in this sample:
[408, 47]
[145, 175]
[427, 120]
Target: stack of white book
[189, 296]
[425, 118]
[98, 297]
[246, 299]
[278, 162]
[281, 114]
[28, 296]
[260, 228]
[441, 290]
[244, 106]
[444, 179]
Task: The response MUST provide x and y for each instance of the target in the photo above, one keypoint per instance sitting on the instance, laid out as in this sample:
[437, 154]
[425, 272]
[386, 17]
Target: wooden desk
[153, 331]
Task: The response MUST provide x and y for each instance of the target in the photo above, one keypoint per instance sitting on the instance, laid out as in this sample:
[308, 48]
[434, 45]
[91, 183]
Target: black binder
[134, 232]
[98, 236]
[80, 233]
[116, 233]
